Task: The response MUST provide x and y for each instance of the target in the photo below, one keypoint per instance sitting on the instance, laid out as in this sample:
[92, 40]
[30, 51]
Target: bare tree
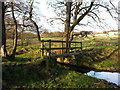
[67, 22]
[80, 10]
[15, 32]
[13, 23]
[3, 48]
[31, 19]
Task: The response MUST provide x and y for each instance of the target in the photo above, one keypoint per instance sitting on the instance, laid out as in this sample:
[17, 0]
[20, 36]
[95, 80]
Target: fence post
[69, 46]
[81, 45]
[43, 48]
[62, 47]
[75, 47]
[49, 47]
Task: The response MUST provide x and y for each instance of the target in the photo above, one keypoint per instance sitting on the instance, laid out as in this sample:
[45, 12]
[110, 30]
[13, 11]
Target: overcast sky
[46, 13]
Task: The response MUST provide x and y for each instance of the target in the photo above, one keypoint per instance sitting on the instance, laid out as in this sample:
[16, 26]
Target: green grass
[30, 70]
[71, 79]
[100, 58]
[25, 55]
[37, 77]
[109, 66]
[101, 53]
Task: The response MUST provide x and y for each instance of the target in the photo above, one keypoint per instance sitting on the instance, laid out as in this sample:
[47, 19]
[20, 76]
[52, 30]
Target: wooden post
[81, 45]
[69, 46]
[43, 48]
[75, 47]
[49, 47]
[62, 47]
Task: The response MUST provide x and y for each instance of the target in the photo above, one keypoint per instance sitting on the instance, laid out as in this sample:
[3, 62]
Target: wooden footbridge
[48, 46]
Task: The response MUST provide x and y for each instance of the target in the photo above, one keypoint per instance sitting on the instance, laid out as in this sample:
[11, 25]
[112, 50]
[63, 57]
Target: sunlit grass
[28, 70]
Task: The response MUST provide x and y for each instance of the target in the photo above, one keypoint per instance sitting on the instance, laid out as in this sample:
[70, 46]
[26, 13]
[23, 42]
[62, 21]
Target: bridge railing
[49, 46]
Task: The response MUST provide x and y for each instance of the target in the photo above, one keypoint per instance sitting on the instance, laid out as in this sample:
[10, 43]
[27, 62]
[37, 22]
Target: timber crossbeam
[50, 46]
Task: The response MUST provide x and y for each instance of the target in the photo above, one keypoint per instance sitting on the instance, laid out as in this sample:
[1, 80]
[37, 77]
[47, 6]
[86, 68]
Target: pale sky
[47, 13]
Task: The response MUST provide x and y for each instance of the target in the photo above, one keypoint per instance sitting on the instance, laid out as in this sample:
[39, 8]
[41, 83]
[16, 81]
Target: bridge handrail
[49, 48]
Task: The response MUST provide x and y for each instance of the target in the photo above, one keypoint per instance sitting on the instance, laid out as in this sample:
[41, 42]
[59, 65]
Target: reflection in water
[108, 76]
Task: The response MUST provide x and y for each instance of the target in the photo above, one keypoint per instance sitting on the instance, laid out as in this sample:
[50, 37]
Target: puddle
[112, 77]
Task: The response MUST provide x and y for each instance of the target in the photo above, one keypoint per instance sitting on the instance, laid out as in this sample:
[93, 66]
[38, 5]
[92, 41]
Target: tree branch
[82, 16]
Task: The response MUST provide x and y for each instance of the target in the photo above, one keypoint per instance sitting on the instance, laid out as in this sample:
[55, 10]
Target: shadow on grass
[17, 62]
[29, 75]
[41, 75]
[96, 56]
[106, 57]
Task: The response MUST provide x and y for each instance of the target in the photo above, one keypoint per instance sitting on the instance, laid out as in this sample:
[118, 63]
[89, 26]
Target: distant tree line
[52, 34]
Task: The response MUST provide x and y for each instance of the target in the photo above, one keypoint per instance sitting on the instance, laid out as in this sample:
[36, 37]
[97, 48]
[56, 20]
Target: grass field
[30, 70]
[101, 53]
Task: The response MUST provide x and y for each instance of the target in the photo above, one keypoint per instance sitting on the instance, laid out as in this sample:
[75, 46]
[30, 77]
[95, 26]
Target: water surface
[112, 77]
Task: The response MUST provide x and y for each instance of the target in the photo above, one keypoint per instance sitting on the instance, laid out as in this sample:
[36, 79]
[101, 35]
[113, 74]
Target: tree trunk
[15, 33]
[37, 28]
[71, 36]
[3, 47]
[77, 20]
[21, 34]
[67, 23]
[0, 24]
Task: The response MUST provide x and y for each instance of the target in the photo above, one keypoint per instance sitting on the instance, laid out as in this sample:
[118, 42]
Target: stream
[112, 77]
